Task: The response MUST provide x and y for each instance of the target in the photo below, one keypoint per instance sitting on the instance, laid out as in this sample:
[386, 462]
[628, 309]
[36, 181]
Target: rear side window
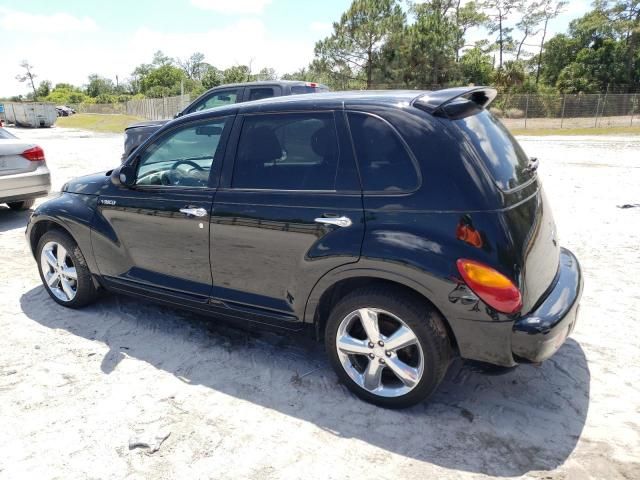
[262, 92]
[499, 151]
[300, 89]
[384, 162]
[293, 151]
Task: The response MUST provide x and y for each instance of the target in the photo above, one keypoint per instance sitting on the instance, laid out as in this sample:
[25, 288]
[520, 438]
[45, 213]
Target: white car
[24, 175]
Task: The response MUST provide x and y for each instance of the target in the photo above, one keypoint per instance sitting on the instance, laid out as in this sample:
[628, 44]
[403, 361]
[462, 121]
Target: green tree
[44, 89]
[476, 66]
[467, 16]
[194, 67]
[162, 81]
[212, 77]
[237, 74]
[358, 37]
[99, 86]
[549, 9]
[498, 13]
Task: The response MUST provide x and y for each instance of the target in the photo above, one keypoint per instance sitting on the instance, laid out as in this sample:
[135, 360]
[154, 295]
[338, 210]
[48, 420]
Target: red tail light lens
[491, 286]
[35, 154]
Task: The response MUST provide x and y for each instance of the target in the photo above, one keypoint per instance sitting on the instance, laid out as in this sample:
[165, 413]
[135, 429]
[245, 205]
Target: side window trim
[217, 162]
[412, 157]
[234, 142]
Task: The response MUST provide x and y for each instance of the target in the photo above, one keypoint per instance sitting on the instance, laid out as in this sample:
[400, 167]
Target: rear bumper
[541, 333]
[23, 186]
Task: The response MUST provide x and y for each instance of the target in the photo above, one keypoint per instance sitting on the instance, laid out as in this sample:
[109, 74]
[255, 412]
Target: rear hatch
[532, 251]
[11, 160]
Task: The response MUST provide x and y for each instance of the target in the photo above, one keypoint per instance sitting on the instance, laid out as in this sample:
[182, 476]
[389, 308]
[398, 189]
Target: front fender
[72, 212]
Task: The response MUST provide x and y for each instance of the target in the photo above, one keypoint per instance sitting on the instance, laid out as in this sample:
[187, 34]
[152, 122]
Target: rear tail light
[312, 84]
[35, 154]
[491, 286]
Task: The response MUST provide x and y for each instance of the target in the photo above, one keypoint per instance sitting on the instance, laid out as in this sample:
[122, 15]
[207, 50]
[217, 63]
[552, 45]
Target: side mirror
[179, 114]
[124, 175]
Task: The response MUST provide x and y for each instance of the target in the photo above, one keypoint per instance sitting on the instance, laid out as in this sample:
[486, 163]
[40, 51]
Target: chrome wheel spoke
[401, 338]
[50, 258]
[373, 375]
[51, 278]
[369, 320]
[70, 272]
[61, 255]
[407, 374]
[352, 346]
[67, 288]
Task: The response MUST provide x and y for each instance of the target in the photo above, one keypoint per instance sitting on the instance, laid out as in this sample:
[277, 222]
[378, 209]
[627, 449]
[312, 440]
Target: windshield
[500, 152]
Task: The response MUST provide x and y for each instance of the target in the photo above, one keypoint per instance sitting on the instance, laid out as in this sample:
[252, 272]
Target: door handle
[195, 212]
[337, 221]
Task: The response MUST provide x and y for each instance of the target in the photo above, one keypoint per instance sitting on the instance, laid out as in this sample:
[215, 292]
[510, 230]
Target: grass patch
[535, 132]
[98, 122]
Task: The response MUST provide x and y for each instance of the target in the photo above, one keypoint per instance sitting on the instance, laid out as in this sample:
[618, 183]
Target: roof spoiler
[434, 102]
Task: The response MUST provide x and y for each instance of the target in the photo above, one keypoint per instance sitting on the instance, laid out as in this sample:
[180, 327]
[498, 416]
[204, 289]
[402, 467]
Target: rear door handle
[337, 221]
[194, 212]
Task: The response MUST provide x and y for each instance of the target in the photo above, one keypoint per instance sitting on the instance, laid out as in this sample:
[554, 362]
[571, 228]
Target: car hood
[147, 123]
[136, 134]
[93, 184]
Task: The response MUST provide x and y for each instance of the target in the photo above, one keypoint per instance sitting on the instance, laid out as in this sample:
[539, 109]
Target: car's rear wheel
[64, 271]
[24, 205]
[388, 346]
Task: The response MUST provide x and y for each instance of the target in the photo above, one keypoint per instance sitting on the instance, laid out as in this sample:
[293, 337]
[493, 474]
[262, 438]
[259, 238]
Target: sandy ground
[77, 388]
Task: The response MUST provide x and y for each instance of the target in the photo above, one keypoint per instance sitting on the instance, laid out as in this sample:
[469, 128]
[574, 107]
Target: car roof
[314, 101]
[266, 82]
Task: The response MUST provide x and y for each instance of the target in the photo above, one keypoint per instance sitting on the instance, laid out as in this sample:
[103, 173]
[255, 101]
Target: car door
[290, 210]
[259, 92]
[157, 231]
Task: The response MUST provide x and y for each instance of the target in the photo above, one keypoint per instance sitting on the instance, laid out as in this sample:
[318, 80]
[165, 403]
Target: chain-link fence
[529, 111]
[517, 111]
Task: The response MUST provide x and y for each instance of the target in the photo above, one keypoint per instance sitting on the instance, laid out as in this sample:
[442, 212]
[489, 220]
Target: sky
[67, 40]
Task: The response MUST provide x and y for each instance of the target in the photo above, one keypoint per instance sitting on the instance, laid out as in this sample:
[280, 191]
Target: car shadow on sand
[529, 418]
[12, 219]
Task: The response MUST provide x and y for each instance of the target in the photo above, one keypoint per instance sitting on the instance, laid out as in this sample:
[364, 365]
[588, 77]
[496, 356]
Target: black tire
[416, 313]
[23, 205]
[86, 291]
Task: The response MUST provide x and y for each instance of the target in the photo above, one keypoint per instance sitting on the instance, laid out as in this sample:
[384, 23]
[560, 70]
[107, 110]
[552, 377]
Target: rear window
[499, 151]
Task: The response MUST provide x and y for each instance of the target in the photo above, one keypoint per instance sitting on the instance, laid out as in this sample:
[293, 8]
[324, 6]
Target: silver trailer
[30, 114]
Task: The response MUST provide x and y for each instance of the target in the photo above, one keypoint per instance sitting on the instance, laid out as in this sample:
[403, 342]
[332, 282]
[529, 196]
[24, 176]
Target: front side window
[226, 97]
[385, 164]
[184, 157]
[292, 151]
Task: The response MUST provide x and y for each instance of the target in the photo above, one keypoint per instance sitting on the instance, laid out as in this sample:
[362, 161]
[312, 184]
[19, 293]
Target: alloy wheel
[380, 352]
[59, 271]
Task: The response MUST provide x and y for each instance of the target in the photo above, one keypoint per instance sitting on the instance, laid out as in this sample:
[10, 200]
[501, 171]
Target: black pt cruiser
[401, 228]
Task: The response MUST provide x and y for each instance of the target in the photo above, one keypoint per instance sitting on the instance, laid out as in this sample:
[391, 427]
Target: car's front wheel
[64, 271]
[388, 346]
